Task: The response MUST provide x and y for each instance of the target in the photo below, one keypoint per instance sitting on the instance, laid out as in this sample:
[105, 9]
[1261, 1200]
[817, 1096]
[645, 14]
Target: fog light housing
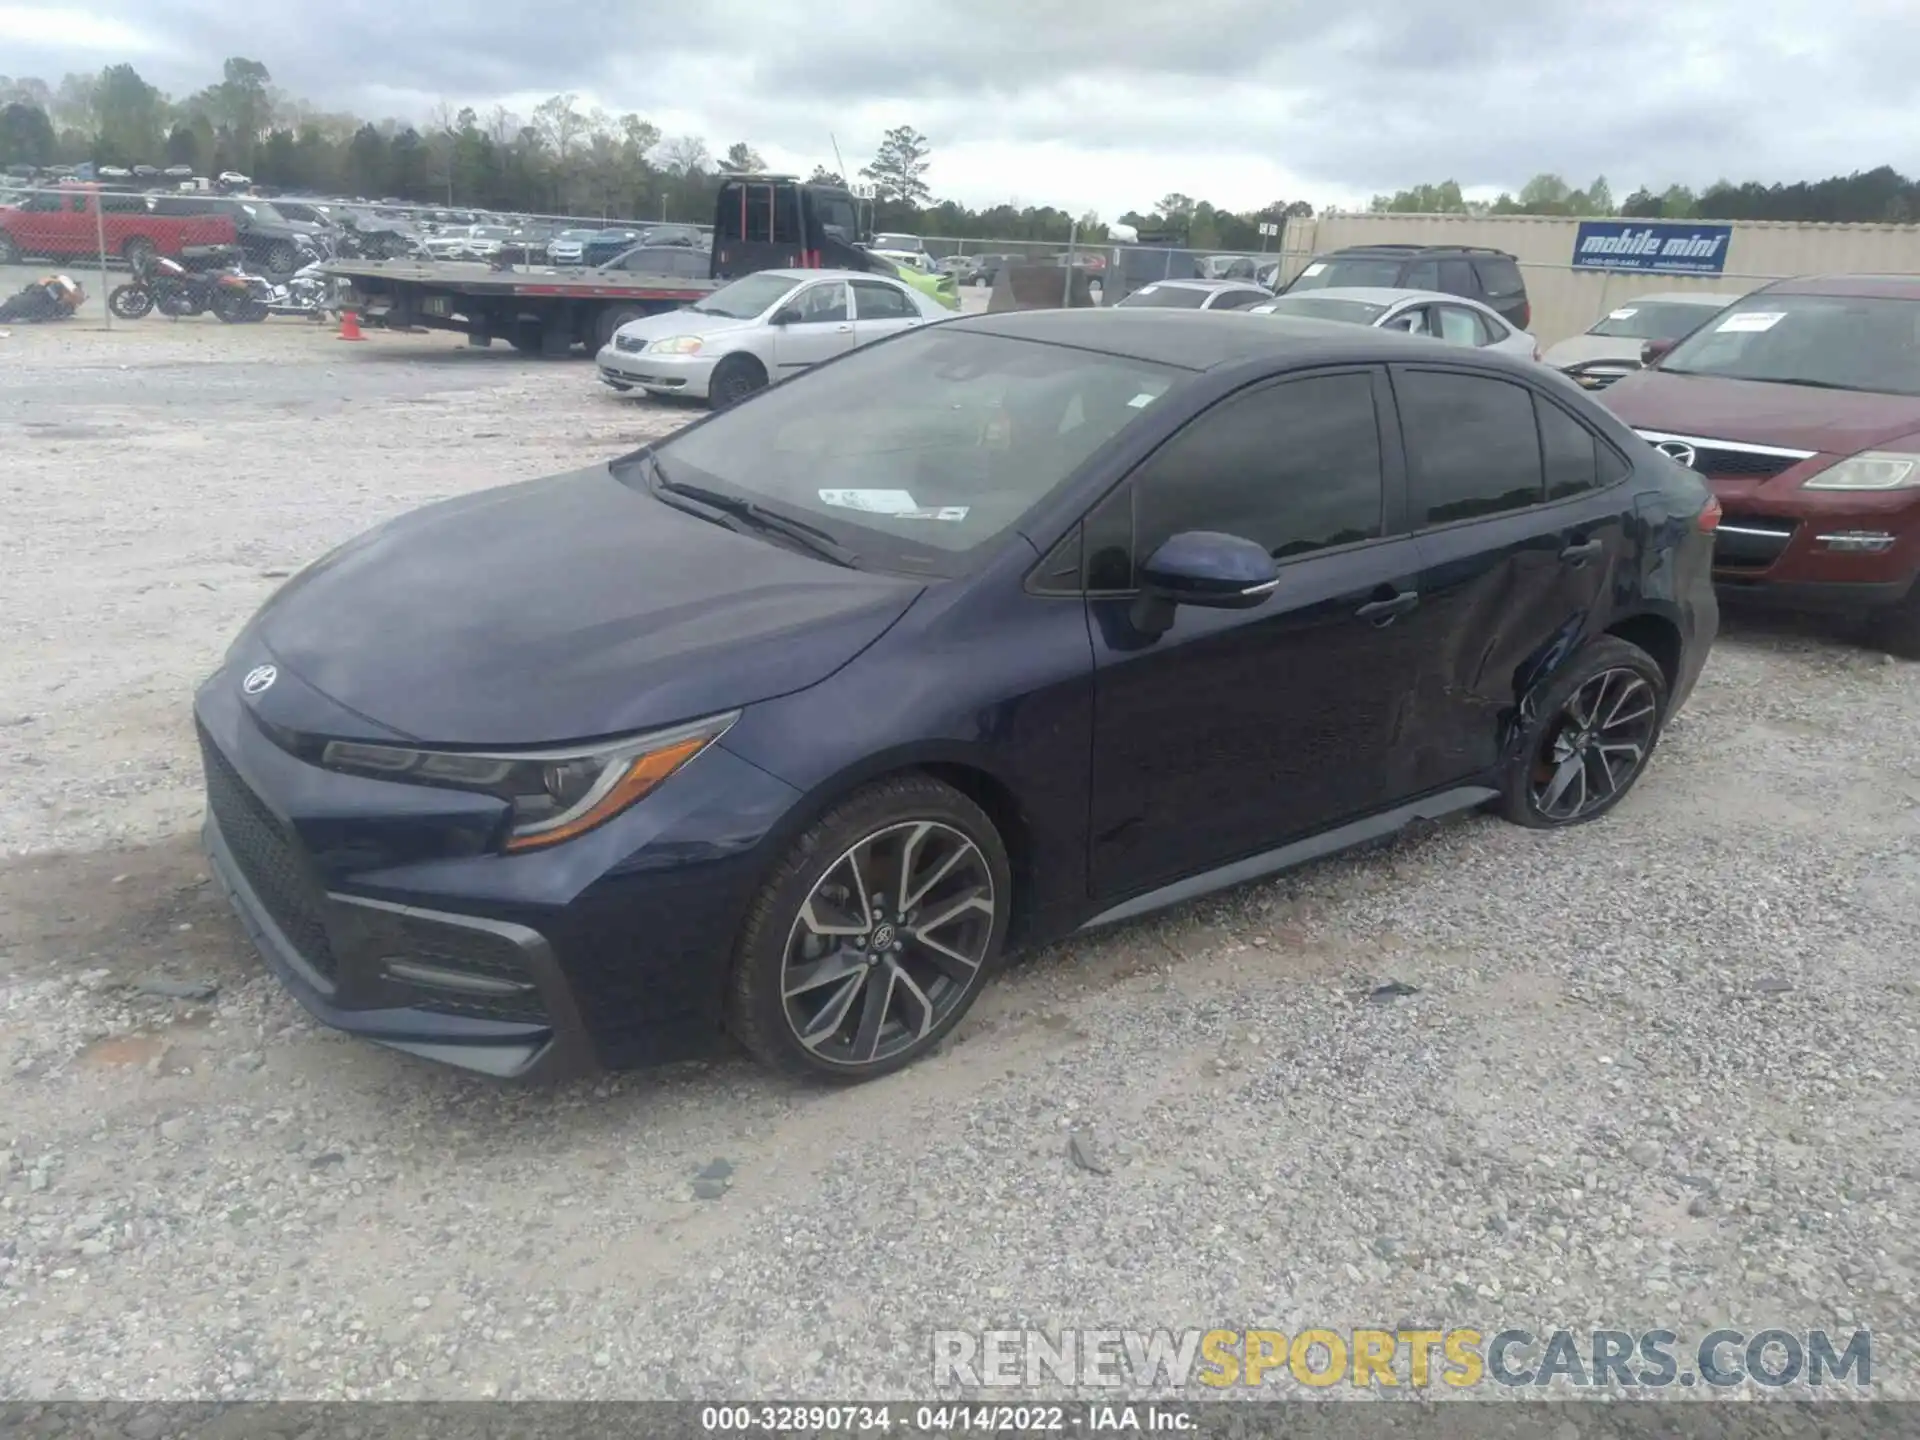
[1857, 542]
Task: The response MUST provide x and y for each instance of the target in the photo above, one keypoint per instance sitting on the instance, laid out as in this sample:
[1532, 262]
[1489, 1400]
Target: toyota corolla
[790, 726]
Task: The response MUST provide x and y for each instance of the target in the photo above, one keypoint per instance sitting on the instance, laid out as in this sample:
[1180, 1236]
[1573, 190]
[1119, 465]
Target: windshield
[265, 213]
[1654, 320]
[835, 215]
[1842, 342]
[745, 298]
[577, 235]
[1359, 274]
[1165, 297]
[896, 242]
[915, 451]
[491, 232]
[1313, 307]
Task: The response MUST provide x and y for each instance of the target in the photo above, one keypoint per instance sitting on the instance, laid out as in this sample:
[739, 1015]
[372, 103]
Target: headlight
[555, 794]
[1869, 470]
[676, 345]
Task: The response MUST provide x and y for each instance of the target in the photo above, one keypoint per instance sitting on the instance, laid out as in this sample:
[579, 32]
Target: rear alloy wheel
[734, 379]
[282, 258]
[1587, 738]
[875, 935]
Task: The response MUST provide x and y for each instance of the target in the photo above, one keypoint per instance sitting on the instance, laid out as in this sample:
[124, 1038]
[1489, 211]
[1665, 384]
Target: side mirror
[786, 315]
[1203, 567]
[1654, 351]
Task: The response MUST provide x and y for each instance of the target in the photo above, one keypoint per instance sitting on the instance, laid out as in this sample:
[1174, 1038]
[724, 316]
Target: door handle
[843, 329]
[1383, 612]
[1578, 554]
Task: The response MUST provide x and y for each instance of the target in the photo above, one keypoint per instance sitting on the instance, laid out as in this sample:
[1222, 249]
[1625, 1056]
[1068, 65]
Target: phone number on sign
[938, 1419]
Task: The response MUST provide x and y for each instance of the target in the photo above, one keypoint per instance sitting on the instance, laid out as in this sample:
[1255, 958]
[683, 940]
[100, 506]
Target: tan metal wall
[1566, 301]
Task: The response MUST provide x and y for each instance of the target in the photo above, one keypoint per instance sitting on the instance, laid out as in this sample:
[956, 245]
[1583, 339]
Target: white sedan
[1451, 319]
[760, 329]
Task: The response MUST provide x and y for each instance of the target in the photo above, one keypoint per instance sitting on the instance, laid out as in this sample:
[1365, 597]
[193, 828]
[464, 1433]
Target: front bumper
[1794, 548]
[659, 374]
[388, 911]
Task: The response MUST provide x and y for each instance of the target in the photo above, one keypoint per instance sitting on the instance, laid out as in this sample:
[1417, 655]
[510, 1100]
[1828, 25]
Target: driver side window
[821, 304]
[1293, 465]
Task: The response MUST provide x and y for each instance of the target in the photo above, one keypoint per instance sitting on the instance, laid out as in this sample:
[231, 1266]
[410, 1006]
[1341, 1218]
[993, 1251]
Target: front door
[1234, 731]
[821, 328]
[1520, 527]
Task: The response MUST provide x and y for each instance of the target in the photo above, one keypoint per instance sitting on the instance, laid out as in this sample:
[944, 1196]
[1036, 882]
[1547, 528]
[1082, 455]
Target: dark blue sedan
[792, 725]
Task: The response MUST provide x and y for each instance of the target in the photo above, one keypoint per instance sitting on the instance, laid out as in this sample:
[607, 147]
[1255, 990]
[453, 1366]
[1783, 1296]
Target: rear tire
[282, 258]
[610, 321]
[734, 379]
[1586, 737]
[809, 943]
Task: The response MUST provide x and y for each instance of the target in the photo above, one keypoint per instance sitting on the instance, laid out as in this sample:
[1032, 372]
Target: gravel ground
[1655, 1072]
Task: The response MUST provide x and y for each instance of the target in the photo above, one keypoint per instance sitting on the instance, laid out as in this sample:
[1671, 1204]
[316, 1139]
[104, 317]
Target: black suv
[268, 238]
[1476, 271]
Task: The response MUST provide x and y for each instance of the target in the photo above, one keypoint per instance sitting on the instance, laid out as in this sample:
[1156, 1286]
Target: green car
[939, 287]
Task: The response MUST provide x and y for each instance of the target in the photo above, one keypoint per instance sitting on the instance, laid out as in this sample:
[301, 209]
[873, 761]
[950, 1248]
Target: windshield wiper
[808, 537]
[1790, 380]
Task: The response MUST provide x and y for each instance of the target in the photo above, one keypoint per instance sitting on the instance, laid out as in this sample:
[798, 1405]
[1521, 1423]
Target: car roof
[1872, 287]
[1716, 298]
[1378, 295]
[1201, 339]
[1182, 283]
[1387, 248]
[822, 274]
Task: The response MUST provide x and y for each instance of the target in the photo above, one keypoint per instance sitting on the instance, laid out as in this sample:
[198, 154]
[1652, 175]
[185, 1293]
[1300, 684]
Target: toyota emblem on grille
[1678, 450]
[259, 680]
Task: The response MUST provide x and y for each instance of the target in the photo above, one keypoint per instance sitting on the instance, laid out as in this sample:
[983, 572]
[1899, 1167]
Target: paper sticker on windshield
[1752, 320]
[1626, 314]
[897, 504]
[1314, 269]
[1142, 400]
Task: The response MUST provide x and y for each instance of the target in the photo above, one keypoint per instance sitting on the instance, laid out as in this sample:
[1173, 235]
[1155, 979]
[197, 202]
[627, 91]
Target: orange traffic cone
[350, 326]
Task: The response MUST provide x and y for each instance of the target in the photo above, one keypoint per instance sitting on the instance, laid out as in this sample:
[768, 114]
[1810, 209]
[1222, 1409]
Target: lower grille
[1749, 542]
[1740, 464]
[485, 975]
[267, 856]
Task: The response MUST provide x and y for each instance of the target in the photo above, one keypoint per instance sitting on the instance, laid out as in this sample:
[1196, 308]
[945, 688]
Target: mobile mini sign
[1656, 249]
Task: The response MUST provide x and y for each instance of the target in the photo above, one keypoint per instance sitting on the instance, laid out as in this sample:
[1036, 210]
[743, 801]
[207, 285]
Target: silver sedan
[760, 329]
[1451, 319]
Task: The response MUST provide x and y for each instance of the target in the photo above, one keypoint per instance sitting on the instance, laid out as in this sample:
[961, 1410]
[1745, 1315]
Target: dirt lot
[1657, 1072]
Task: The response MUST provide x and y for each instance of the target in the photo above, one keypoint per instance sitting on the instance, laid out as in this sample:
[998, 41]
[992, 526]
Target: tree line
[1866, 197]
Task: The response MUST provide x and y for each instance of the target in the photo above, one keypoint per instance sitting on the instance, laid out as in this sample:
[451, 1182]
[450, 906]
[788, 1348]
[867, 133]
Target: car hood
[563, 609]
[1582, 348]
[683, 322]
[1833, 422]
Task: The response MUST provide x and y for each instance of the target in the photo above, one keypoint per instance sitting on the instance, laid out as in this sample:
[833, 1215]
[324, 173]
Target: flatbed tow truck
[537, 311]
[761, 222]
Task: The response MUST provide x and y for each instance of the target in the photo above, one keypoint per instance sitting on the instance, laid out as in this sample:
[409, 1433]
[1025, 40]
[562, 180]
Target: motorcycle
[51, 297]
[308, 291]
[240, 298]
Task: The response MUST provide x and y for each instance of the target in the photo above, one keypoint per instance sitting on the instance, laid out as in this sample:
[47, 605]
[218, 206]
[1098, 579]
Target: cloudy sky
[1105, 104]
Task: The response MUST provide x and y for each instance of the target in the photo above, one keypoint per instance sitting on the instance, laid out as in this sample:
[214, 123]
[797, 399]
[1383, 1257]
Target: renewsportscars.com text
[1458, 1358]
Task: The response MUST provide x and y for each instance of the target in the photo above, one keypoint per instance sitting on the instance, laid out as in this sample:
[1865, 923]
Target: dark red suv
[1801, 406]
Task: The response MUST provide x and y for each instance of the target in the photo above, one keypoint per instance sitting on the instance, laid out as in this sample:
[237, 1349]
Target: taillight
[1708, 520]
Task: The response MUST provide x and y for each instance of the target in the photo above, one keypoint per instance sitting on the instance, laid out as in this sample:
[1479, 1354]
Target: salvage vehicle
[1197, 295]
[761, 222]
[72, 221]
[1451, 319]
[1800, 404]
[760, 329]
[269, 240]
[792, 724]
[1610, 347]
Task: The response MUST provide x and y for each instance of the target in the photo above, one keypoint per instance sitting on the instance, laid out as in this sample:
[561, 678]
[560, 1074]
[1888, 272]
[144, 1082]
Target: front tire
[1896, 629]
[130, 302]
[734, 379]
[1586, 737]
[874, 935]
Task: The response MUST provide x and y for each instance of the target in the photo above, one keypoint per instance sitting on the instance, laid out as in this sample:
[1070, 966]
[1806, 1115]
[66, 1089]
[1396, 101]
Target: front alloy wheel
[889, 941]
[873, 934]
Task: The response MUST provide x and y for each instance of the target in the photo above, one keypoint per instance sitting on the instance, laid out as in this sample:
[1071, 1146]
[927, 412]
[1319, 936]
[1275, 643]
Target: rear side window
[123, 204]
[1294, 466]
[1423, 275]
[1473, 446]
[1499, 276]
[876, 301]
[1456, 278]
[1570, 451]
[1239, 299]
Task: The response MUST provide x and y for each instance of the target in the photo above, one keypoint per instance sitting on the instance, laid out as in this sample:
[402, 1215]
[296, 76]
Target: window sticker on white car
[896, 504]
[1142, 400]
[1314, 269]
[1752, 320]
[1623, 314]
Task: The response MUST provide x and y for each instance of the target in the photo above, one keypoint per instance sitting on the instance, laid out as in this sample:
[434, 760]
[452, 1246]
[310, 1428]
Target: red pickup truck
[70, 222]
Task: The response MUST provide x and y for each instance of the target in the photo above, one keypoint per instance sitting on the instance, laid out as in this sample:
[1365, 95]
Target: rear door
[821, 328]
[1520, 530]
[880, 309]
